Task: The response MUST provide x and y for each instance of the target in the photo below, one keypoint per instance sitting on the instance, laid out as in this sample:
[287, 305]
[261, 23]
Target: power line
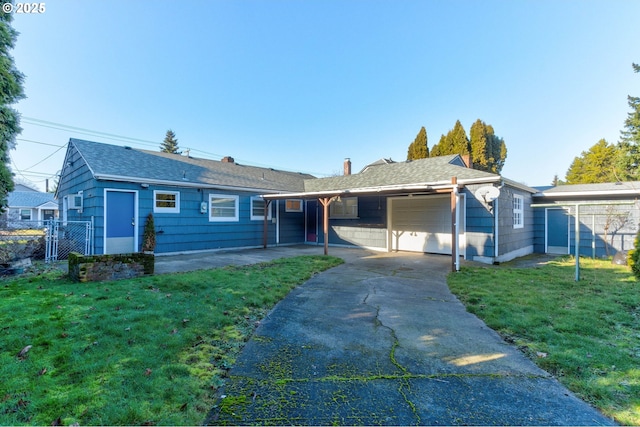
[39, 142]
[143, 142]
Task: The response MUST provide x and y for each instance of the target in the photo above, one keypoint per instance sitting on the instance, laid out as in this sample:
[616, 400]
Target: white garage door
[422, 224]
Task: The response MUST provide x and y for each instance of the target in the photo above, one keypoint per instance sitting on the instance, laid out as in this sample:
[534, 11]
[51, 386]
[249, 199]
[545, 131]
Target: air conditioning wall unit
[75, 201]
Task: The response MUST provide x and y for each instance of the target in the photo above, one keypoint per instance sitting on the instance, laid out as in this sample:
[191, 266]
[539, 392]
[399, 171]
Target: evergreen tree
[458, 140]
[629, 146]
[488, 151]
[595, 165]
[419, 149]
[436, 150]
[11, 91]
[170, 143]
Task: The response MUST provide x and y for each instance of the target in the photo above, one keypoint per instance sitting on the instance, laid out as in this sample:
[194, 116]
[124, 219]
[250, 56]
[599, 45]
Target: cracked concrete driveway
[380, 340]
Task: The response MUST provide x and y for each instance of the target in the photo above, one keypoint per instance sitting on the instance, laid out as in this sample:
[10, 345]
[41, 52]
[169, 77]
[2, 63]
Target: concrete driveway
[380, 340]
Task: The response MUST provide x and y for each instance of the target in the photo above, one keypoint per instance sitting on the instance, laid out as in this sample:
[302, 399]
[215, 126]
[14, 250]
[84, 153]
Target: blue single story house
[436, 205]
[26, 204]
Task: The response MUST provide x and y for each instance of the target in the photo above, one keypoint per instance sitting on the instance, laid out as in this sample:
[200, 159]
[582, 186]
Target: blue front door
[557, 231]
[120, 222]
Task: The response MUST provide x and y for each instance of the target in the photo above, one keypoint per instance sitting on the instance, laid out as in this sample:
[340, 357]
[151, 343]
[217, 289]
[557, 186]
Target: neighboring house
[436, 205]
[27, 204]
[608, 217]
[197, 204]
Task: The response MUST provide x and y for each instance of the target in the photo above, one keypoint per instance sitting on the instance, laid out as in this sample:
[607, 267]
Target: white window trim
[287, 209]
[234, 218]
[351, 215]
[259, 217]
[25, 209]
[518, 213]
[161, 209]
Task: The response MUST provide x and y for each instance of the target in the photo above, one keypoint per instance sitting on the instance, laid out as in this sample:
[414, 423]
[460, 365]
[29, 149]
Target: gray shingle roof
[29, 199]
[424, 171]
[132, 164]
[612, 188]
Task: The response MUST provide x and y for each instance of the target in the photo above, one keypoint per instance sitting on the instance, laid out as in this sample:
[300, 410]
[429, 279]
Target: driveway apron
[380, 340]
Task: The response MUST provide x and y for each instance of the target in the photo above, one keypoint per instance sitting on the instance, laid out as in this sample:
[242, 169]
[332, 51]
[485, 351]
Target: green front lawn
[586, 333]
[151, 350]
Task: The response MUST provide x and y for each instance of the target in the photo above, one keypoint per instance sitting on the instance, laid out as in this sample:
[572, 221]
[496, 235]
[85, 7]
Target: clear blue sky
[302, 84]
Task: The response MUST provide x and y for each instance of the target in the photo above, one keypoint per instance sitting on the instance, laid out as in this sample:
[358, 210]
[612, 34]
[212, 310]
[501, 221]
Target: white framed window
[223, 207]
[518, 211]
[25, 214]
[293, 205]
[345, 207]
[257, 209]
[166, 201]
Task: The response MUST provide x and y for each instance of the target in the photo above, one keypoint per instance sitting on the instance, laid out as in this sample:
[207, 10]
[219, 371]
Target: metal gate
[64, 237]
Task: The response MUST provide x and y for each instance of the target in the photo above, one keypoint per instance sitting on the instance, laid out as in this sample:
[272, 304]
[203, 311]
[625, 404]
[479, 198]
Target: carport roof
[610, 189]
[428, 175]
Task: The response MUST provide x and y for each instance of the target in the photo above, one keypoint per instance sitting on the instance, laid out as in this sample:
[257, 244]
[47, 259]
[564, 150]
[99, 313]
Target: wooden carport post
[454, 223]
[325, 201]
[267, 203]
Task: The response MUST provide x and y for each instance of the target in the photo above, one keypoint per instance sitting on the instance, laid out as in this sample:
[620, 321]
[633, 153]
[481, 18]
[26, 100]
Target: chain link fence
[50, 240]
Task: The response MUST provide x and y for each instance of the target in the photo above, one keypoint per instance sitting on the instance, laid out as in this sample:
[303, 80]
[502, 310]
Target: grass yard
[148, 351]
[586, 334]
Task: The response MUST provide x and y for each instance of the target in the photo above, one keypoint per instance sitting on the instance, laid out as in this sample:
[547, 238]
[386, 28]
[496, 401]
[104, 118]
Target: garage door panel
[421, 224]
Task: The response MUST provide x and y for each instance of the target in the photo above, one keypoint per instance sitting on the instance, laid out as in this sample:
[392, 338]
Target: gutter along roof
[608, 189]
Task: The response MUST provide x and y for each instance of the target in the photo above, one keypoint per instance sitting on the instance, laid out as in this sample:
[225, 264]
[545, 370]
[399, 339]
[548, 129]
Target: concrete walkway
[380, 340]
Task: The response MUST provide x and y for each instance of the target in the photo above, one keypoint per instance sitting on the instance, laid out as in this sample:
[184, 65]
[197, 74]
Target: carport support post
[325, 201]
[454, 224]
[265, 234]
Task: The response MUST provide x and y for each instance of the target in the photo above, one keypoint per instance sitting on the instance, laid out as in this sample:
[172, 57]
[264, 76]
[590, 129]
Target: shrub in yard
[634, 257]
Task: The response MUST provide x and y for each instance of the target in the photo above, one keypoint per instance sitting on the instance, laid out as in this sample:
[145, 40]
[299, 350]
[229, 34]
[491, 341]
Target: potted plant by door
[149, 235]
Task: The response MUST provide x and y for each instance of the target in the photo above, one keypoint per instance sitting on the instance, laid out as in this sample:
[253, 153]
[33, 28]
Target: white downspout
[277, 222]
[496, 221]
[457, 236]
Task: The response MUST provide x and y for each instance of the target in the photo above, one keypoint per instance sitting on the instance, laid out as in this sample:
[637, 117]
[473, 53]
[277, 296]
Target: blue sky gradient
[300, 85]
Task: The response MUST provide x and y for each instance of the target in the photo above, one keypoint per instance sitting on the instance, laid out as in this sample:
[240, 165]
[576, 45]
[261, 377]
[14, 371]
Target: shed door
[120, 222]
[421, 224]
[557, 231]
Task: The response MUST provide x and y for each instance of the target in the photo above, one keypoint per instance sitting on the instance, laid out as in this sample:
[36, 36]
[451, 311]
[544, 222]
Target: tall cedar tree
[11, 91]
[488, 151]
[629, 145]
[594, 166]
[419, 149]
[455, 142]
[170, 143]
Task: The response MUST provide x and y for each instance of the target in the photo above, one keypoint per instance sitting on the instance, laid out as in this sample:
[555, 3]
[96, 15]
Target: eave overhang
[400, 189]
[186, 184]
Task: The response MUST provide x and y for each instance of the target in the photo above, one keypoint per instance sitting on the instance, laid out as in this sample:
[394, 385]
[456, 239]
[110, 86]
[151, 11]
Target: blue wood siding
[620, 221]
[511, 239]
[479, 225]
[368, 230]
[291, 224]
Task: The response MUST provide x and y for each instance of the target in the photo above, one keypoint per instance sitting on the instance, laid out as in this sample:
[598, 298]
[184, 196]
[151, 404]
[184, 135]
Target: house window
[223, 207]
[293, 205]
[257, 209]
[345, 207]
[518, 211]
[166, 201]
[25, 214]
